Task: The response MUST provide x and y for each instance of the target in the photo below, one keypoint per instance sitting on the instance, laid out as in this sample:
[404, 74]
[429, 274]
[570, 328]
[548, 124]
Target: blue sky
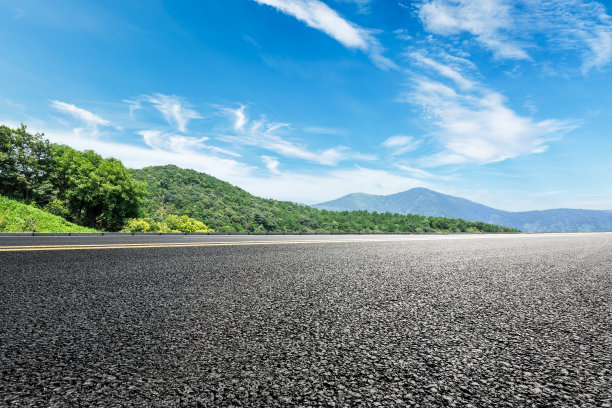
[508, 103]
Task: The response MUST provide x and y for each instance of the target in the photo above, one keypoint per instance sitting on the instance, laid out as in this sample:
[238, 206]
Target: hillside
[225, 207]
[18, 217]
[430, 203]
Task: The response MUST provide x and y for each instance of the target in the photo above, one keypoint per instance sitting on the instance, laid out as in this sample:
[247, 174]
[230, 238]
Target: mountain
[423, 201]
[224, 207]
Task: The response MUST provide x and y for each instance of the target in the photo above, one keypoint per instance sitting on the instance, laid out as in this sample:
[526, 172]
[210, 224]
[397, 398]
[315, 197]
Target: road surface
[486, 320]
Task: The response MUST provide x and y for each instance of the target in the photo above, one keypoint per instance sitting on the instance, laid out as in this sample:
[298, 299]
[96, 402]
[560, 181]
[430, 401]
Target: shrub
[172, 223]
[57, 207]
[137, 225]
[185, 224]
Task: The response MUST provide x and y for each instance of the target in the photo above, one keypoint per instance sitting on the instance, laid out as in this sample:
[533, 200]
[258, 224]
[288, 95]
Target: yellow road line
[19, 248]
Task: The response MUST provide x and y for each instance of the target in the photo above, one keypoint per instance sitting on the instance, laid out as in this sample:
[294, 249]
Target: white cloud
[239, 116]
[138, 157]
[479, 127]
[312, 189]
[325, 130]
[490, 21]
[264, 134]
[134, 106]
[403, 34]
[271, 164]
[320, 16]
[444, 70]
[363, 6]
[508, 28]
[579, 25]
[401, 144]
[600, 45]
[91, 120]
[174, 109]
[163, 141]
[305, 188]
[422, 174]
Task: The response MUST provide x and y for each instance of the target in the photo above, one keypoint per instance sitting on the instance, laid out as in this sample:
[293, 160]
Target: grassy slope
[225, 207]
[19, 217]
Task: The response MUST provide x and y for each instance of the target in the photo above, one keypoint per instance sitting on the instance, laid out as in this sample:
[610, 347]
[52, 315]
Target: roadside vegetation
[81, 187]
[88, 190]
[19, 217]
[171, 223]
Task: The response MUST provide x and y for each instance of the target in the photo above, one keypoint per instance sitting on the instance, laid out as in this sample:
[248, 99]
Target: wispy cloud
[320, 16]
[164, 141]
[134, 106]
[479, 127]
[267, 135]
[490, 21]
[89, 119]
[138, 157]
[578, 25]
[311, 188]
[308, 188]
[271, 164]
[422, 174]
[508, 28]
[445, 70]
[363, 6]
[325, 130]
[19, 13]
[401, 144]
[240, 118]
[174, 109]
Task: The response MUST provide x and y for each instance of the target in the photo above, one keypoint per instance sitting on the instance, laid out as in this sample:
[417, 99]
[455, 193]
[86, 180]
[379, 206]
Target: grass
[19, 217]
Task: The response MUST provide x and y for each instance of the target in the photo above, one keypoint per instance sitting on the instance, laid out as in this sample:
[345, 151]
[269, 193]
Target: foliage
[57, 207]
[82, 187]
[137, 225]
[184, 223]
[172, 223]
[25, 162]
[19, 217]
[97, 192]
[225, 207]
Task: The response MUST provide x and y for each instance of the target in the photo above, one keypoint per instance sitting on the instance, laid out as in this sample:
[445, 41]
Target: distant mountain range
[423, 201]
[224, 207]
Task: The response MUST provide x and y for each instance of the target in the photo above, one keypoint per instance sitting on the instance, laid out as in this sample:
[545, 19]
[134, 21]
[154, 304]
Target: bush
[57, 207]
[172, 223]
[185, 224]
[137, 225]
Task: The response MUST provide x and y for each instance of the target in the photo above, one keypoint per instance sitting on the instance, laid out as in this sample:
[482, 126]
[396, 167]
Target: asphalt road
[518, 320]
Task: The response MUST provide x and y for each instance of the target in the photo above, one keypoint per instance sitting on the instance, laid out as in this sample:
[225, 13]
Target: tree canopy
[82, 187]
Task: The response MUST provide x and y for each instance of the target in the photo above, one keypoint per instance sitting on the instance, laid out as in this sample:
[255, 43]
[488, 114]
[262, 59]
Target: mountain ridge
[423, 201]
[225, 207]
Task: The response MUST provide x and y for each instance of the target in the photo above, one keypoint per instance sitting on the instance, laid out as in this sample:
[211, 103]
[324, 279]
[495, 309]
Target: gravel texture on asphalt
[517, 321]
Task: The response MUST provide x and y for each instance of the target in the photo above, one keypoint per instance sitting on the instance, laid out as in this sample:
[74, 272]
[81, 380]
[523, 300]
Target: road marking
[21, 248]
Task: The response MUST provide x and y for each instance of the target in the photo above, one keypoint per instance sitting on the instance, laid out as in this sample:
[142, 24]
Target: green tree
[25, 161]
[98, 192]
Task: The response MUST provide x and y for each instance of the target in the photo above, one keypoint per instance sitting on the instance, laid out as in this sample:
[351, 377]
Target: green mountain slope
[19, 217]
[431, 203]
[225, 207]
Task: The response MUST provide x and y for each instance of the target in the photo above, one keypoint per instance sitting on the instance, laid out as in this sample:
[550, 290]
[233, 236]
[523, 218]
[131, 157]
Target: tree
[98, 192]
[25, 161]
